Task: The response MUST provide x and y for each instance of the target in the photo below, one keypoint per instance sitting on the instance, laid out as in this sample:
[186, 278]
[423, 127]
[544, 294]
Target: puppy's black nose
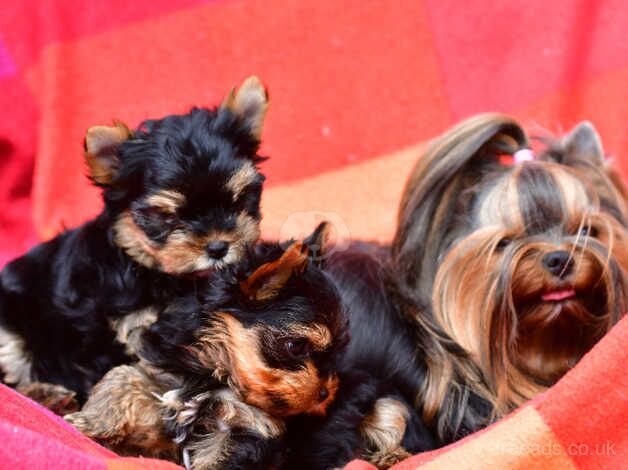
[559, 263]
[323, 393]
[217, 249]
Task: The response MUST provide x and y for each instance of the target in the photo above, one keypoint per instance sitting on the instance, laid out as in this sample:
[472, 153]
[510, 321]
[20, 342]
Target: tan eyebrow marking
[168, 200]
[241, 179]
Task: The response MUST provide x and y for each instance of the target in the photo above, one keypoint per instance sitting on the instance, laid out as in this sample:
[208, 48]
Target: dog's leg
[124, 413]
[56, 398]
[384, 430]
[218, 431]
[15, 360]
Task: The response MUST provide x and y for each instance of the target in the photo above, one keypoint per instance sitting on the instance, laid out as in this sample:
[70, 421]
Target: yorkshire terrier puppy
[374, 416]
[222, 370]
[512, 266]
[181, 199]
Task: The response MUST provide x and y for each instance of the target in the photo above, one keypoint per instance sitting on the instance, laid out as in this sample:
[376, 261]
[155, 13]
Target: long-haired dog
[511, 266]
[181, 199]
[222, 370]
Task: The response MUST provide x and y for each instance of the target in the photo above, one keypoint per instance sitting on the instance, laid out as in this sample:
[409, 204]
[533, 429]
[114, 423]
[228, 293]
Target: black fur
[61, 296]
[309, 296]
[384, 359]
[306, 298]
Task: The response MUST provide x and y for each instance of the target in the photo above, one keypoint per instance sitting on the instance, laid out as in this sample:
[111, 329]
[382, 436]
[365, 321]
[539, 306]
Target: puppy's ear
[583, 145]
[102, 145]
[250, 103]
[267, 280]
[317, 243]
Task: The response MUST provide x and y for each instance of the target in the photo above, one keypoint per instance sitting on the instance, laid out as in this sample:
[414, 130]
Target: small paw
[77, 420]
[94, 428]
[56, 398]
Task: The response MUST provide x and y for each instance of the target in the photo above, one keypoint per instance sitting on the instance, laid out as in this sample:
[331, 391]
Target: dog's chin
[557, 329]
[201, 268]
[583, 302]
[204, 272]
[200, 274]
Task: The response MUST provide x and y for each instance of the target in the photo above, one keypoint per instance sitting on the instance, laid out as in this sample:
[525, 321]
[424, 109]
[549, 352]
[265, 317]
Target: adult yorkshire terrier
[221, 371]
[523, 259]
[181, 199]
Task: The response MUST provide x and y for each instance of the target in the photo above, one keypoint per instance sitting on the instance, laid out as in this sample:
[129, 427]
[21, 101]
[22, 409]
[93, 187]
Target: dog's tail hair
[452, 162]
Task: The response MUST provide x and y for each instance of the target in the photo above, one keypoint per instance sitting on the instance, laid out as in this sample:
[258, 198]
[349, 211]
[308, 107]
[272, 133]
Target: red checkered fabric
[356, 88]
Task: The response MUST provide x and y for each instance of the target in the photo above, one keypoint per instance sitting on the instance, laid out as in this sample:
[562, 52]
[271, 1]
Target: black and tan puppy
[221, 371]
[375, 416]
[181, 199]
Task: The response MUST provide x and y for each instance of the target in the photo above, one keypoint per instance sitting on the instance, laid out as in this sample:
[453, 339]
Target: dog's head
[271, 331]
[184, 191]
[530, 257]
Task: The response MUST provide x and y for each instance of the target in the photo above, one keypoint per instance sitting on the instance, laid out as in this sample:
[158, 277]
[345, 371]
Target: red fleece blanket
[356, 88]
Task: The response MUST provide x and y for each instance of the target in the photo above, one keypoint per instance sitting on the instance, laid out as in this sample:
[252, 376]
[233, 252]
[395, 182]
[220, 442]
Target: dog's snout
[559, 263]
[217, 249]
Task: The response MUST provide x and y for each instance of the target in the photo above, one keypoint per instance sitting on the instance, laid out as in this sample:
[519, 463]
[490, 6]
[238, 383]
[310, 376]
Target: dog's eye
[155, 222]
[588, 231]
[503, 243]
[298, 348]
[158, 215]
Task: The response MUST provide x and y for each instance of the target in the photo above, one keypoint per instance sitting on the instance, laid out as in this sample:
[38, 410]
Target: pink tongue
[559, 295]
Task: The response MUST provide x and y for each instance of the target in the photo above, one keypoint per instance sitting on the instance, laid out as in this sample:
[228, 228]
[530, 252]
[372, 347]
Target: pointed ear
[583, 145]
[267, 280]
[317, 243]
[102, 144]
[250, 103]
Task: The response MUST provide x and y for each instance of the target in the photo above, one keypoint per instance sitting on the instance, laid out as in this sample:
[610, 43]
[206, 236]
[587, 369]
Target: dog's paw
[56, 398]
[78, 420]
[95, 428]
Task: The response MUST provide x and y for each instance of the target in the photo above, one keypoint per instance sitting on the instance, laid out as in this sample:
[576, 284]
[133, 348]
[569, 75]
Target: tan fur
[461, 208]
[465, 296]
[127, 409]
[56, 398]
[15, 361]
[578, 200]
[318, 335]
[500, 206]
[123, 413]
[227, 412]
[233, 352]
[129, 328]
[133, 240]
[383, 429]
[245, 175]
[270, 278]
[183, 252]
[101, 143]
[250, 103]
[167, 200]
